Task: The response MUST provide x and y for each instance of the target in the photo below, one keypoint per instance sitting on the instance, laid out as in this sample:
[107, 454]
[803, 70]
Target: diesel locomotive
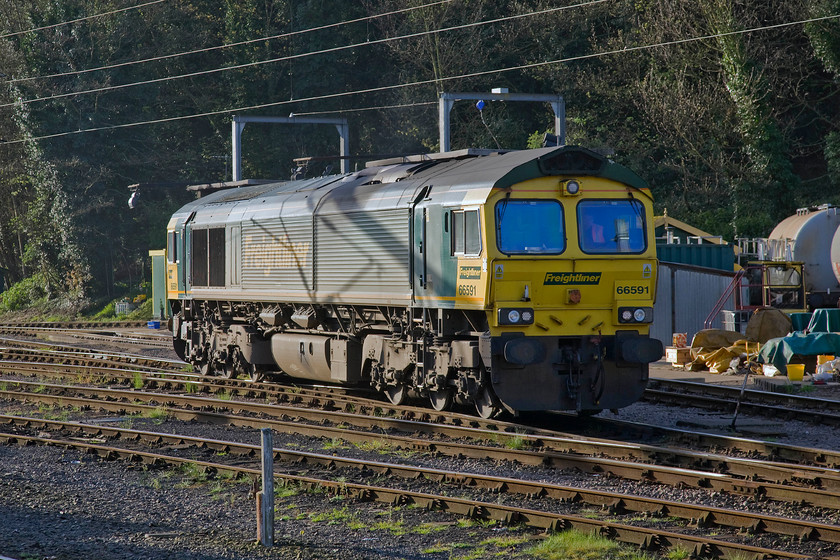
[516, 281]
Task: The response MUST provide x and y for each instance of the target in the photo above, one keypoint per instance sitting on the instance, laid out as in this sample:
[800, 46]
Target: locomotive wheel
[441, 400]
[255, 373]
[486, 404]
[396, 393]
[227, 370]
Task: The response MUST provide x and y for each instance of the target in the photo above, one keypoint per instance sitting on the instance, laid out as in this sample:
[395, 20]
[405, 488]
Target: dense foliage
[731, 114]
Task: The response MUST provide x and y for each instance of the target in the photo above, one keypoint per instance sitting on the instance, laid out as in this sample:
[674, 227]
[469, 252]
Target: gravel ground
[63, 504]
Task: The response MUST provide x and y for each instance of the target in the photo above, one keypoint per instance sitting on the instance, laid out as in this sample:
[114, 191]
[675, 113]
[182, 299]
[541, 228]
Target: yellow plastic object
[796, 372]
[824, 358]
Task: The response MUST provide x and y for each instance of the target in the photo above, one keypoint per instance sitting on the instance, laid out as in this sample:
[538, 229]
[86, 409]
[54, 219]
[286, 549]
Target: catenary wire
[103, 14]
[623, 50]
[298, 56]
[227, 45]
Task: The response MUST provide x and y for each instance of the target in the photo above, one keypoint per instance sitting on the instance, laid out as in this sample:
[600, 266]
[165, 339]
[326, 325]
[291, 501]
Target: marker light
[516, 316]
[572, 187]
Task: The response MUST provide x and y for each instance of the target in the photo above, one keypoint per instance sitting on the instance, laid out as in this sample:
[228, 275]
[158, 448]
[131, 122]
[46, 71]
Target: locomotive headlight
[571, 187]
[635, 314]
[516, 316]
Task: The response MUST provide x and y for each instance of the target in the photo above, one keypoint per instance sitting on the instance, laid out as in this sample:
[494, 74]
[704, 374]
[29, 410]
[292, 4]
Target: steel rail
[598, 465]
[617, 503]
[821, 410]
[768, 450]
[644, 538]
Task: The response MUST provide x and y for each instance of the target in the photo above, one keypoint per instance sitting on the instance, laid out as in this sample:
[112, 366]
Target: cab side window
[466, 232]
[171, 247]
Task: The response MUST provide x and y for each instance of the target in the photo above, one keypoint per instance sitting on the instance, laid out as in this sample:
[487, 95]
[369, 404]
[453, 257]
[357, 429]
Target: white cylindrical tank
[835, 255]
[808, 237]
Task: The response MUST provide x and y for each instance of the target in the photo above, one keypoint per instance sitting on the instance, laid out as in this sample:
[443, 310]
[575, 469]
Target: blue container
[153, 324]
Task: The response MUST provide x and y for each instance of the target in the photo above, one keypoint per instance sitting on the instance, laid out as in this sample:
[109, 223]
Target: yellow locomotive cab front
[572, 287]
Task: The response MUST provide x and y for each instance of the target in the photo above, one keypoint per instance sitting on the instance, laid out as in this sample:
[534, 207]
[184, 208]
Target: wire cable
[623, 50]
[227, 45]
[297, 56]
[103, 14]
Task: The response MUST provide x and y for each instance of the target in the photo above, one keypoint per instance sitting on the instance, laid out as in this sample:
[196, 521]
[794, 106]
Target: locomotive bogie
[485, 280]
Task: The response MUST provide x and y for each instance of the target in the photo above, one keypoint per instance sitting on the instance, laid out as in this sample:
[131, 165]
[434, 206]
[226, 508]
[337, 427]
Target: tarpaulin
[779, 351]
[825, 320]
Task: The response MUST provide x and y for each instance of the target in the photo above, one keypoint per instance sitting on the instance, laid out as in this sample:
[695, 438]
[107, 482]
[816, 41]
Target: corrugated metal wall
[277, 254]
[685, 296]
[363, 252]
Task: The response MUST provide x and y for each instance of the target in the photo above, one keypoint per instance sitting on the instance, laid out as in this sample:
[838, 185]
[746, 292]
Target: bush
[26, 293]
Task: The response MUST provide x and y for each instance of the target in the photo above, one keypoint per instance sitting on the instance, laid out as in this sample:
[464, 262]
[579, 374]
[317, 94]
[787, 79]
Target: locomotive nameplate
[632, 290]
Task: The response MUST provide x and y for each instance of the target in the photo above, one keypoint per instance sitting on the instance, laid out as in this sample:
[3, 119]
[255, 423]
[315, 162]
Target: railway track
[760, 403]
[117, 331]
[762, 473]
[702, 517]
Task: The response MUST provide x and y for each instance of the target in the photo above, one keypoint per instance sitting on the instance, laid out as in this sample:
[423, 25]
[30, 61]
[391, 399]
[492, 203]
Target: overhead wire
[77, 20]
[623, 50]
[301, 55]
[226, 45]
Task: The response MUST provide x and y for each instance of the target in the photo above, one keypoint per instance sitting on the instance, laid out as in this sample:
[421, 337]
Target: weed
[39, 389]
[187, 368]
[376, 445]
[157, 415]
[224, 396]
[428, 528]
[335, 443]
[505, 542]
[137, 380]
[193, 473]
[678, 553]
[396, 528]
[468, 522]
[574, 545]
[438, 548]
[333, 517]
[516, 442]
[191, 387]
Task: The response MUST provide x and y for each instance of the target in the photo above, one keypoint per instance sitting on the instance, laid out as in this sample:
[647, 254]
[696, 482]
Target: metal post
[265, 498]
[238, 124]
[444, 108]
[236, 140]
[558, 105]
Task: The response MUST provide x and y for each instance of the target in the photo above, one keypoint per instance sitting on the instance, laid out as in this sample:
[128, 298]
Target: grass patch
[396, 528]
[137, 380]
[375, 446]
[333, 517]
[516, 442]
[678, 553]
[574, 545]
[334, 443]
[157, 415]
[194, 475]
